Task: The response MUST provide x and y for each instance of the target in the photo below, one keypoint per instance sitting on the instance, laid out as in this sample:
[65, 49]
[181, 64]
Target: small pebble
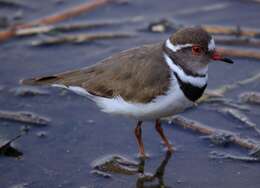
[90, 121]
[161, 26]
[158, 28]
[41, 134]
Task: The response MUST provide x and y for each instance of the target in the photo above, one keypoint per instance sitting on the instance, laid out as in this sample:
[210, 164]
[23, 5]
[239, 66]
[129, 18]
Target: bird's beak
[217, 57]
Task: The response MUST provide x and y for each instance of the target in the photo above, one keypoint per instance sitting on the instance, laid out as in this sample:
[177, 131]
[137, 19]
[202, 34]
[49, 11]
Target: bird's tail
[65, 78]
[68, 80]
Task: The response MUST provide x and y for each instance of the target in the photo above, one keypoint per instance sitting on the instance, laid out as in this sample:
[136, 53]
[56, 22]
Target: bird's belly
[174, 101]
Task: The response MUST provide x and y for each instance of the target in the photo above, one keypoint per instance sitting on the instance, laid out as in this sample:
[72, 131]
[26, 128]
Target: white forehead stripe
[177, 47]
[211, 45]
[196, 81]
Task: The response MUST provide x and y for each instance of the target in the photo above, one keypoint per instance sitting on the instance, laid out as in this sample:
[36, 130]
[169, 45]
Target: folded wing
[137, 75]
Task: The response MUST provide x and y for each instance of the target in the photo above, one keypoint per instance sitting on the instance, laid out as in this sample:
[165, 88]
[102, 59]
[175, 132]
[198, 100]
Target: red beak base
[216, 57]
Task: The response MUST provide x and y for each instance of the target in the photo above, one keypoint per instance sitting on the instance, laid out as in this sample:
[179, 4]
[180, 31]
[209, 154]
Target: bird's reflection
[149, 179]
[120, 165]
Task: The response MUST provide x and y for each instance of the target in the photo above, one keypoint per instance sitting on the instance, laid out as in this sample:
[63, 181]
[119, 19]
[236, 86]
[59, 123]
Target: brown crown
[191, 35]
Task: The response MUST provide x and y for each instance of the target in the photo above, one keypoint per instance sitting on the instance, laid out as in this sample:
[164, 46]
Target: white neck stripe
[177, 47]
[196, 81]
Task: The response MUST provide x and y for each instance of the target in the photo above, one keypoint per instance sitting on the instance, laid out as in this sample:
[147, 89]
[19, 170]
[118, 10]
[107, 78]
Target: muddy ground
[61, 154]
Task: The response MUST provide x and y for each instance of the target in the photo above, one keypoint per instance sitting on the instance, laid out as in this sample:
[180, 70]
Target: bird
[146, 83]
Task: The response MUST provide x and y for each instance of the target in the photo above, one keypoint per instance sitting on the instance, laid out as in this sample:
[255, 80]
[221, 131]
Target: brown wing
[137, 75]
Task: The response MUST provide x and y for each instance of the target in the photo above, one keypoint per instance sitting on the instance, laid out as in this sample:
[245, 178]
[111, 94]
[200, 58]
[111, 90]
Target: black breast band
[190, 91]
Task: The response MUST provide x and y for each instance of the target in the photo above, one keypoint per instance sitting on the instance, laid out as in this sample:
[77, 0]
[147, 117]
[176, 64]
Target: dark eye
[196, 50]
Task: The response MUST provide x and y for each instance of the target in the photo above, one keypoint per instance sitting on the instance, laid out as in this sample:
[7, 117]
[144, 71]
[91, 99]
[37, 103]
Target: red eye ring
[196, 50]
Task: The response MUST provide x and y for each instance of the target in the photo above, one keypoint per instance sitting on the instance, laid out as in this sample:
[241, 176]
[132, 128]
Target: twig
[70, 13]
[254, 1]
[250, 97]
[231, 30]
[206, 130]
[238, 41]
[12, 140]
[71, 27]
[222, 155]
[58, 17]
[219, 92]
[80, 38]
[7, 150]
[11, 3]
[24, 117]
[241, 117]
[227, 102]
[212, 29]
[199, 9]
[115, 164]
[239, 53]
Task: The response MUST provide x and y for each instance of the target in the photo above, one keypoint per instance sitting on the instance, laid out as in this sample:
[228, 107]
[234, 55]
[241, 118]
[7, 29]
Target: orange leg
[160, 131]
[138, 134]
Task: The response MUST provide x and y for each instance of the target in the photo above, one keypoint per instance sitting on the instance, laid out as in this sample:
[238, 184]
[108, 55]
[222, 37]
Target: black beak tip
[227, 60]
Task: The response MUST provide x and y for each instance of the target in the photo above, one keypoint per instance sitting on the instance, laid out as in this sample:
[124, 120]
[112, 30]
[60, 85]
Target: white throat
[196, 81]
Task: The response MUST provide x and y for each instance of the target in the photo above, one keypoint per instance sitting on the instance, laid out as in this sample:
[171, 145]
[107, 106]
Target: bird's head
[193, 48]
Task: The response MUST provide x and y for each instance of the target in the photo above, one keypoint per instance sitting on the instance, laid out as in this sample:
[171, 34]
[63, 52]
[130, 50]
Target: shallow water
[79, 134]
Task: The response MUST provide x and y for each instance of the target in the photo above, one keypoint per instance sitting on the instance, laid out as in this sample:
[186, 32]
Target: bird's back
[137, 75]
